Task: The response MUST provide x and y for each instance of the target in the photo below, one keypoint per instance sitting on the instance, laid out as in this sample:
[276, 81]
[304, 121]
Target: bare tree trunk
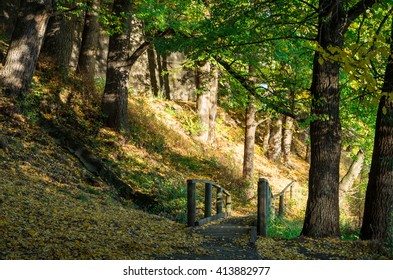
[354, 170]
[203, 97]
[88, 51]
[164, 77]
[151, 58]
[287, 139]
[25, 47]
[249, 146]
[115, 98]
[65, 31]
[266, 136]
[213, 105]
[274, 152]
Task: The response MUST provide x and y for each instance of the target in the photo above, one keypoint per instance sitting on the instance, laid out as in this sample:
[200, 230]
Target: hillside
[53, 207]
[71, 189]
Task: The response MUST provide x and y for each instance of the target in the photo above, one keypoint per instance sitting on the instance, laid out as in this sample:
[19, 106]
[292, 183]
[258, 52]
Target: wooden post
[229, 205]
[263, 207]
[281, 209]
[269, 197]
[219, 201]
[208, 199]
[191, 203]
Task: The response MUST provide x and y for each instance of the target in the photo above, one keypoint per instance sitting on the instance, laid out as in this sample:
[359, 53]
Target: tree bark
[287, 139]
[115, 98]
[206, 83]
[266, 137]
[288, 132]
[203, 97]
[63, 30]
[249, 141]
[164, 77]
[151, 58]
[25, 47]
[88, 51]
[378, 210]
[354, 170]
[322, 212]
[274, 151]
[213, 105]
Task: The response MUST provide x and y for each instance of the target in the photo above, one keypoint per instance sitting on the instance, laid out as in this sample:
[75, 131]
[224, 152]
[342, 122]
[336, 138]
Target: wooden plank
[210, 219]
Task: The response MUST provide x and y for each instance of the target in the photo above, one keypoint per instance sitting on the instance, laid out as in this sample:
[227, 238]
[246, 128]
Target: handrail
[265, 198]
[220, 201]
[284, 190]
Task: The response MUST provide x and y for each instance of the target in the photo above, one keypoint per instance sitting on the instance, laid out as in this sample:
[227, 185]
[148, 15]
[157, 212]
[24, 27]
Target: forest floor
[51, 207]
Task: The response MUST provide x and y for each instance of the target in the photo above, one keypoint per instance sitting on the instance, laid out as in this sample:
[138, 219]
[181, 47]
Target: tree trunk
[287, 139]
[62, 30]
[203, 97]
[378, 209]
[266, 137]
[115, 98]
[354, 170]
[213, 105]
[25, 47]
[322, 212]
[288, 132]
[274, 151]
[151, 58]
[88, 51]
[249, 145]
[163, 76]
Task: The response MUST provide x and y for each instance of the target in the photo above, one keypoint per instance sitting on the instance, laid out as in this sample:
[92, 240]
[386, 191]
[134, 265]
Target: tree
[25, 46]
[353, 172]
[115, 98]
[378, 210]
[322, 212]
[275, 141]
[87, 56]
[206, 83]
[63, 29]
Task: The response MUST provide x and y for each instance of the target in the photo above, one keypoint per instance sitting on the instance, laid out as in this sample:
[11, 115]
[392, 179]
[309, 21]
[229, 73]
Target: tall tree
[25, 46]
[322, 212]
[115, 98]
[64, 29]
[88, 50]
[206, 83]
[252, 124]
[378, 210]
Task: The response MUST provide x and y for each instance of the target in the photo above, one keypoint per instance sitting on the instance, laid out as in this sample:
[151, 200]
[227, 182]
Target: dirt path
[228, 239]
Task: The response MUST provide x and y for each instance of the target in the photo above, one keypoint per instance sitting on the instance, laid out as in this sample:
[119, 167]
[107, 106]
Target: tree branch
[248, 85]
[358, 9]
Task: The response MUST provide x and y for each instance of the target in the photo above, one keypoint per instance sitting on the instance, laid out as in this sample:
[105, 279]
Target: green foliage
[285, 228]
[171, 199]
